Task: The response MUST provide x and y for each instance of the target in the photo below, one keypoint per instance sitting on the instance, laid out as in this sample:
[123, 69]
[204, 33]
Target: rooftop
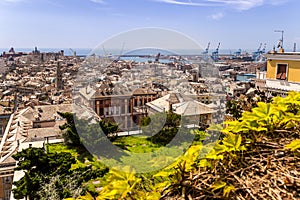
[283, 56]
[47, 112]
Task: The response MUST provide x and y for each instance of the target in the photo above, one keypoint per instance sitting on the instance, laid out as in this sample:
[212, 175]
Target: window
[117, 110]
[7, 194]
[101, 111]
[281, 72]
[7, 179]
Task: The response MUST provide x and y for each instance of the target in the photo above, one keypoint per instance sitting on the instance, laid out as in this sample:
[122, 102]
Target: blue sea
[67, 51]
[87, 51]
[245, 77]
[101, 51]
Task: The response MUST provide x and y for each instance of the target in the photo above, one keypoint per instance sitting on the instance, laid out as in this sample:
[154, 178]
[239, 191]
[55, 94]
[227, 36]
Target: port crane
[264, 49]
[207, 48]
[157, 57]
[73, 52]
[215, 54]
[238, 53]
[257, 53]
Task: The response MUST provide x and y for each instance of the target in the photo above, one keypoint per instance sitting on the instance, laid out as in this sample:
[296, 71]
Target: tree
[38, 167]
[70, 134]
[53, 175]
[161, 127]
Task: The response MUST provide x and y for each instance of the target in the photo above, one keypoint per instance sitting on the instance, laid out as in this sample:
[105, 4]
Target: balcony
[282, 85]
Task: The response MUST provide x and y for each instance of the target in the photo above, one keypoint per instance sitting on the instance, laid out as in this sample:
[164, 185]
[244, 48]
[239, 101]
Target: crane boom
[217, 50]
[264, 49]
[215, 54]
[207, 49]
[258, 50]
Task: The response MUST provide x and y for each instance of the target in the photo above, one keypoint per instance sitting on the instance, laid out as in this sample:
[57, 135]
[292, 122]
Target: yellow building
[282, 74]
[283, 66]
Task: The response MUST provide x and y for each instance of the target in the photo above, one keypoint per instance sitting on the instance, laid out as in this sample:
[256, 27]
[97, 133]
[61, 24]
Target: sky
[87, 23]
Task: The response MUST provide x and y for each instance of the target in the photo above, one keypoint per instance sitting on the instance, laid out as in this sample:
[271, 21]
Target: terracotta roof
[189, 108]
[48, 112]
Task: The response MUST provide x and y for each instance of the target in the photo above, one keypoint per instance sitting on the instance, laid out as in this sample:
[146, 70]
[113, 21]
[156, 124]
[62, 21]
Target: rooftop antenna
[281, 41]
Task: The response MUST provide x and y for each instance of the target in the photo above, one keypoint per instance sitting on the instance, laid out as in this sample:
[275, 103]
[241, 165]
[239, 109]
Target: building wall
[5, 187]
[44, 124]
[126, 111]
[292, 73]
[3, 122]
[202, 120]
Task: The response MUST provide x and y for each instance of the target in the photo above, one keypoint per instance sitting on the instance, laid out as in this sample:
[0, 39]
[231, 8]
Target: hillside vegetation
[256, 157]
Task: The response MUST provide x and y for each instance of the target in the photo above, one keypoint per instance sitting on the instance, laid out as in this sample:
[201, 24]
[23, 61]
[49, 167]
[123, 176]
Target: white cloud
[189, 2]
[217, 16]
[237, 4]
[98, 1]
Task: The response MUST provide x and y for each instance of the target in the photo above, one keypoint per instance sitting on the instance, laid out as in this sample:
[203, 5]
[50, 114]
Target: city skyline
[87, 23]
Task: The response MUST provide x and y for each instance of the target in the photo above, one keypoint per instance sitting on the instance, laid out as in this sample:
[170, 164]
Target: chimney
[281, 50]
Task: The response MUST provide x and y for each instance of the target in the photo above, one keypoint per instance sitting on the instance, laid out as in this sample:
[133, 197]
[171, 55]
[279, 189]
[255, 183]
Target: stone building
[122, 106]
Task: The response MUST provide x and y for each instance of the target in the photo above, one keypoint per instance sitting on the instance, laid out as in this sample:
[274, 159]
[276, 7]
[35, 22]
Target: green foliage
[161, 127]
[223, 185]
[268, 118]
[236, 107]
[70, 133]
[257, 120]
[136, 144]
[108, 127]
[227, 147]
[164, 136]
[57, 173]
[219, 162]
[94, 138]
[233, 143]
[227, 190]
[199, 135]
[294, 145]
[39, 166]
[291, 103]
[175, 179]
[121, 184]
[218, 185]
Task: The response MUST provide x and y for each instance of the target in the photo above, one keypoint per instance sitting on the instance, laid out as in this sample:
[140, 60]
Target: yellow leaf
[294, 145]
[218, 185]
[227, 190]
